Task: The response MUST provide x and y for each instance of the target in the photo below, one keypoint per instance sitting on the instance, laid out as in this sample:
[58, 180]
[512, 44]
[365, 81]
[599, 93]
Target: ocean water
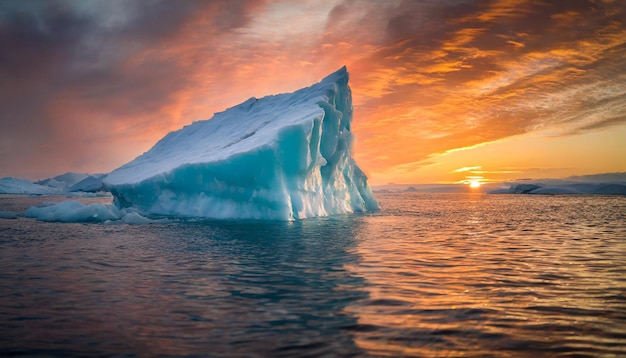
[429, 275]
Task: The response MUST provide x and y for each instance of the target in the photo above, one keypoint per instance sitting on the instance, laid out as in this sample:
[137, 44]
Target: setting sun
[474, 184]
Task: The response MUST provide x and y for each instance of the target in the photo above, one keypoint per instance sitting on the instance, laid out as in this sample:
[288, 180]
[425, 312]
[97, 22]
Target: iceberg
[73, 184]
[281, 157]
[90, 184]
[564, 189]
[63, 181]
[71, 211]
[9, 185]
[7, 215]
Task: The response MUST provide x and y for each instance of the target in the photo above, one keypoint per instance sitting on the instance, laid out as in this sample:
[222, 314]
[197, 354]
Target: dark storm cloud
[56, 39]
[67, 66]
[56, 44]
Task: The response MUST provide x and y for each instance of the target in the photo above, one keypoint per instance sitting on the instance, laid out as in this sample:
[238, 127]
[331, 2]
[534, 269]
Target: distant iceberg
[281, 157]
[71, 184]
[63, 181]
[9, 185]
[90, 184]
[563, 188]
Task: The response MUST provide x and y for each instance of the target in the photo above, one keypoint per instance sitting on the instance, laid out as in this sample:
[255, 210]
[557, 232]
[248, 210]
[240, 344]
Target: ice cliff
[281, 157]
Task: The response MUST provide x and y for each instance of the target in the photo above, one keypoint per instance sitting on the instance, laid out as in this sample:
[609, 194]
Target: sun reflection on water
[479, 274]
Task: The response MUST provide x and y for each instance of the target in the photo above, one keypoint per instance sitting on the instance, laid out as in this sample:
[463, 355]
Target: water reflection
[428, 275]
[480, 274]
[279, 287]
[218, 288]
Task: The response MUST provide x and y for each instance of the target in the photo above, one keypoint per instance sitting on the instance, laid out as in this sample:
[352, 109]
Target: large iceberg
[281, 157]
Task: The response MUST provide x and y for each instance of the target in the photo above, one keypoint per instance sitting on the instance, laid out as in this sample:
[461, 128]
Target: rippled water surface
[429, 275]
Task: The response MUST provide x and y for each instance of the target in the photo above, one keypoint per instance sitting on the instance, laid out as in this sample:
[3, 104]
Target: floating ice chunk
[131, 217]
[73, 211]
[280, 157]
[7, 215]
[134, 218]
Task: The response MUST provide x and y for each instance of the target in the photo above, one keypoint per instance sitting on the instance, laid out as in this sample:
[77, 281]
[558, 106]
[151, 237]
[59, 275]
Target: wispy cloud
[468, 169]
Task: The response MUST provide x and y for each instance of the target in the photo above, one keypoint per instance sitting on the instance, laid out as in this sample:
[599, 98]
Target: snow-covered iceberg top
[280, 157]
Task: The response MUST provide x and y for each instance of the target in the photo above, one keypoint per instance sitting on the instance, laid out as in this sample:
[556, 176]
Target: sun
[474, 184]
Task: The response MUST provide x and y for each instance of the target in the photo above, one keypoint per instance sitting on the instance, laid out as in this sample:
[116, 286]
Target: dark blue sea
[430, 275]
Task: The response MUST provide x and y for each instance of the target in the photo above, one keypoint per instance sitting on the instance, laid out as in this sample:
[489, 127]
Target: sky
[444, 91]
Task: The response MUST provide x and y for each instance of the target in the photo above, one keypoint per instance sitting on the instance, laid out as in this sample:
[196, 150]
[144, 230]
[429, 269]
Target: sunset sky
[443, 90]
